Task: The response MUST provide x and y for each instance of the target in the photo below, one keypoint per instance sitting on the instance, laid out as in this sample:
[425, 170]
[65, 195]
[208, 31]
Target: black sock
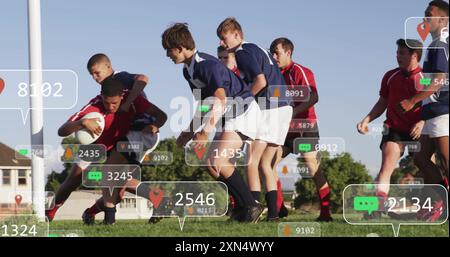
[143, 190]
[110, 215]
[256, 195]
[237, 198]
[237, 183]
[271, 200]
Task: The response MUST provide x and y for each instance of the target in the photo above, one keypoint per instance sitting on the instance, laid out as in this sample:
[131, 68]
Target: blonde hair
[229, 24]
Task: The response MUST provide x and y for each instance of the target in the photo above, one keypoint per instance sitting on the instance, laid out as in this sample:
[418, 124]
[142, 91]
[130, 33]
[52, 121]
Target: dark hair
[285, 43]
[177, 36]
[441, 5]
[111, 87]
[96, 58]
[221, 49]
[413, 46]
[229, 24]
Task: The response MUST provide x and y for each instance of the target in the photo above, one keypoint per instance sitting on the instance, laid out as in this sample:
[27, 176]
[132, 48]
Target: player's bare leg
[221, 169]
[391, 154]
[443, 149]
[254, 181]
[70, 184]
[321, 183]
[281, 208]
[108, 201]
[423, 160]
[270, 181]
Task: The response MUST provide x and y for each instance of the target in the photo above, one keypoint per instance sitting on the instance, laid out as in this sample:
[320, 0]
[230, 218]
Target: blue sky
[348, 44]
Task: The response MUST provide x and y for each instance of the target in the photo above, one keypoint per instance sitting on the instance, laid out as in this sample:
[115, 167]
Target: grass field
[210, 227]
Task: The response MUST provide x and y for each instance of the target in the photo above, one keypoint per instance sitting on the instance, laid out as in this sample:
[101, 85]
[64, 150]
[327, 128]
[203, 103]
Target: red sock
[279, 195]
[232, 202]
[446, 183]
[382, 197]
[52, 212]
[324, 196]
[96, 208]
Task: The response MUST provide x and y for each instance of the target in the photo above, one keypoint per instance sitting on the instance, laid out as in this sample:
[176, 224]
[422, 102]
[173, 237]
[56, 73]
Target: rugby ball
[83, 135]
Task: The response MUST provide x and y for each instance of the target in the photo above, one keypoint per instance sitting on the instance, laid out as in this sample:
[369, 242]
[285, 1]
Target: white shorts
[246, 123]
[436, 127]
[274, 125]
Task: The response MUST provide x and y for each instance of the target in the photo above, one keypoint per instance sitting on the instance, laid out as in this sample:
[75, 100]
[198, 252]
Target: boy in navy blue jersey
[100, 68]
[435, 109]
[258, 68]
[207, 75]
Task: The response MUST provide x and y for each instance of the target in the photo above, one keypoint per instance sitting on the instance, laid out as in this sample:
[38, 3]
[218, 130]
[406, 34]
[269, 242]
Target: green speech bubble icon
[365, 203]
[304, 147]
[204, 108]
[95, 175]
[425, 81]
[23, 151]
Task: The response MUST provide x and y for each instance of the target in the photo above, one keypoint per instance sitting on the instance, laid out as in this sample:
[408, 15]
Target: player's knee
[444, 161]
[265, 167]
[120, 196]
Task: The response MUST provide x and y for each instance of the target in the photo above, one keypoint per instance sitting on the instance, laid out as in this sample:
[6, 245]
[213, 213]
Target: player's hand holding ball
[92, 125]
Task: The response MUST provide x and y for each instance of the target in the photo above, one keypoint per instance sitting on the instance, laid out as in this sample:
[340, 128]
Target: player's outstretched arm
[408, 104]
[377, 110]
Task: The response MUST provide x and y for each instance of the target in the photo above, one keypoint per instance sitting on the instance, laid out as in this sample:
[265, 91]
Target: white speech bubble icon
[59, 90]
[406, 204]
[183, 199]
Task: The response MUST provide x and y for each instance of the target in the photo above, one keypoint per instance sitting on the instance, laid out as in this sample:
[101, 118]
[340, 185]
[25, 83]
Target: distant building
[15, 180]
[16, 194]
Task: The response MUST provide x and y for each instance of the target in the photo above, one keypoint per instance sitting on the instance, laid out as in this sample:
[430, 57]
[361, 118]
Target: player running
[259, 69]
[297, 76]
[435, 109]
[401, 128]
[215, 81]
[117, 125]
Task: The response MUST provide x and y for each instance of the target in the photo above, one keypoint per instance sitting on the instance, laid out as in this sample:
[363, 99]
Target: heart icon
[200, 151]
[2, 85]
